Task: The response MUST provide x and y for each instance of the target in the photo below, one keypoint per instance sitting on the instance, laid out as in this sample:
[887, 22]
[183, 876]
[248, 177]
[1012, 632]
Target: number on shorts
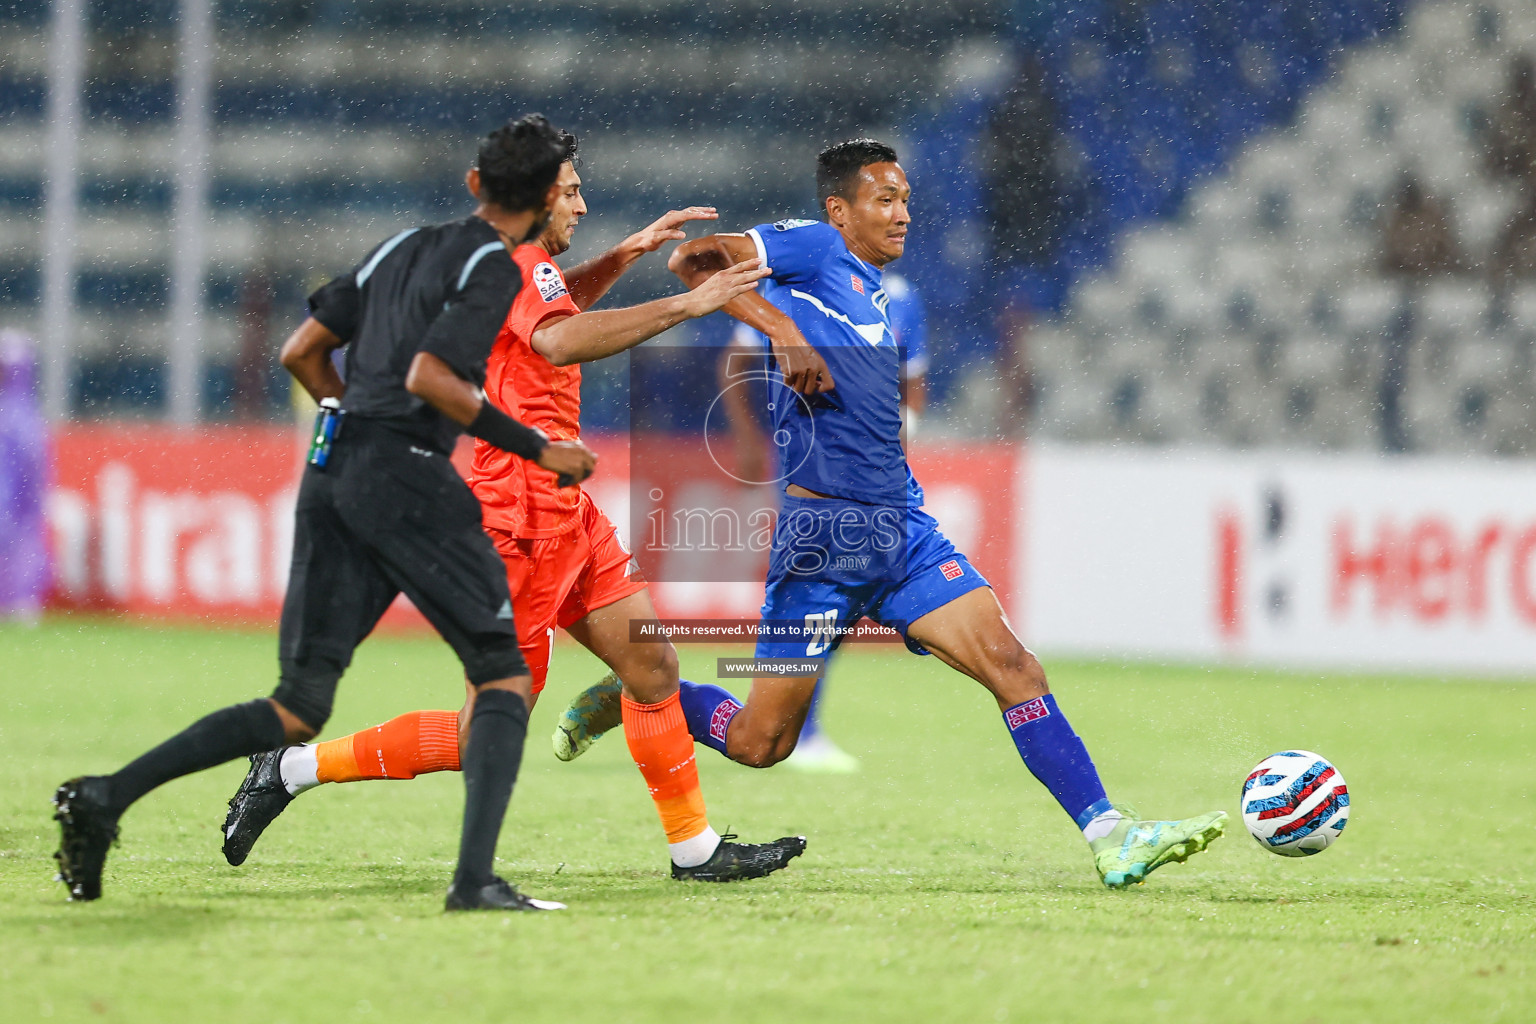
[822, 627]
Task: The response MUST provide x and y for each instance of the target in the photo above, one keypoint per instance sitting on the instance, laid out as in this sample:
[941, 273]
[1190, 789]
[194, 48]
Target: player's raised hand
[571, 461]
[720, 288]
[669, 228]
[805, 372]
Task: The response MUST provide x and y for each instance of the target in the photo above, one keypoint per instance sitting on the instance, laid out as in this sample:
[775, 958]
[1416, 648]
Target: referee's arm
[435, 382]
[307, 356]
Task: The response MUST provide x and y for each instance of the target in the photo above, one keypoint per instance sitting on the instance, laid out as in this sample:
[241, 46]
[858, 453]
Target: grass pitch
[941, 883]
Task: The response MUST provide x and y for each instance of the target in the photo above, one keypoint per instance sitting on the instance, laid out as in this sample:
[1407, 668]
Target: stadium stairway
[1271, 275]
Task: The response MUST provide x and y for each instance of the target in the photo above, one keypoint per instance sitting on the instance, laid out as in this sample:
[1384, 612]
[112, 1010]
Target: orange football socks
[663, 751]
[402, 748]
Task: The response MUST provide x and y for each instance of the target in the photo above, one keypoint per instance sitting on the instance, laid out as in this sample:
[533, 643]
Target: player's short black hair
[571, 144]
[837, 166]
[520, 160]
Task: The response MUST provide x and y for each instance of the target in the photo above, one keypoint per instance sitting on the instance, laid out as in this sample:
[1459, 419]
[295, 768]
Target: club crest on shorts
[1029, 711]
[548, 281]
[951, 569]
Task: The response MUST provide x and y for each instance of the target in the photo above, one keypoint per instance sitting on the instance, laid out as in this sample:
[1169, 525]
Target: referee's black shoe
[498, 895]
[732, 862]
[88, 830]
[255, 805]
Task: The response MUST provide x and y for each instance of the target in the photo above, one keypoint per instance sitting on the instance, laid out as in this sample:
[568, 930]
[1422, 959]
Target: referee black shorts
[386, 517]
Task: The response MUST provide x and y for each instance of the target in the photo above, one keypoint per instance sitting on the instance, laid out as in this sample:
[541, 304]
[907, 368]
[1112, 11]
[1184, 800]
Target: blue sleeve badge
[787, 225]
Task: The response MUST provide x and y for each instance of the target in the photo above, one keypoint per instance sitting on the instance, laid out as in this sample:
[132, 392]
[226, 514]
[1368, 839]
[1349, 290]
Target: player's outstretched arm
[434, 382]
[307, 355]
[587, 336]
[590, 281]
[698, 261]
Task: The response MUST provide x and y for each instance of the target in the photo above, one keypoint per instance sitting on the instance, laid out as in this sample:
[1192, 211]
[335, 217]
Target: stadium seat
[1370, 306]
[1053, 351]
[1482, 211]
[1314, 360]
[1456, 307]
[1521, 304]
[1444, 30]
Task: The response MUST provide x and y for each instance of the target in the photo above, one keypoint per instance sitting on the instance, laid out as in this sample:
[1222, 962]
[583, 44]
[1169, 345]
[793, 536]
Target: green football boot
[1135, 849]
[594, 711]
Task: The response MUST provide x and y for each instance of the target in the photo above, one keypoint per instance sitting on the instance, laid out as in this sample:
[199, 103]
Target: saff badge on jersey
[547, 279]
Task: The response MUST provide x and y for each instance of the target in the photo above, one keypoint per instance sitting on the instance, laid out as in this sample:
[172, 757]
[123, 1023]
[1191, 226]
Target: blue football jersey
[906, 312]
[845, 442]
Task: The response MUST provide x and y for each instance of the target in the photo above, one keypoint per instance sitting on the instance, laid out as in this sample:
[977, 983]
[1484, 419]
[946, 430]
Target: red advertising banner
[197, 524]
[165, 522]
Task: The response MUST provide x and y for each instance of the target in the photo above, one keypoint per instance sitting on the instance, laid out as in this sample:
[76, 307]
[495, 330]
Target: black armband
[496, 427]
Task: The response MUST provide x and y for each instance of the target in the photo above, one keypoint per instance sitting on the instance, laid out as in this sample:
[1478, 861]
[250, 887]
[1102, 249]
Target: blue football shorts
[834, 562]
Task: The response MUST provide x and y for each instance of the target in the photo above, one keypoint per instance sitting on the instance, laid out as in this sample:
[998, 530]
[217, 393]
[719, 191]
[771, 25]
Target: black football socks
[236, 731]
[491, 759]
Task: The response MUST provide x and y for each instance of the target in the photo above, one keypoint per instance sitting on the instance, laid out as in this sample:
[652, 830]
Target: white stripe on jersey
[872, 333]
[384, 250]
[757, 240]
[478, 255]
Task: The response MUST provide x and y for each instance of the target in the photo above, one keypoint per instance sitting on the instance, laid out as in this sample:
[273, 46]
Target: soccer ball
[1295, 803]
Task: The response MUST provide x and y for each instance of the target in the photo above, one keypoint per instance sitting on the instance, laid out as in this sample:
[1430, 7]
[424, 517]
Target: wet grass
[941, 882]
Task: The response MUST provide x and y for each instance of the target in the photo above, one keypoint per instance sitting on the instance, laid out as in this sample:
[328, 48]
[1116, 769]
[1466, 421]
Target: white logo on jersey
[881, 301]
[547, 279]
[872, 333]
[787, 225]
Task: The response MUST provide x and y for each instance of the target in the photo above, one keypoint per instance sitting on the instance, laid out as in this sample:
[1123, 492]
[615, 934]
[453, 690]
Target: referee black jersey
[443, 289]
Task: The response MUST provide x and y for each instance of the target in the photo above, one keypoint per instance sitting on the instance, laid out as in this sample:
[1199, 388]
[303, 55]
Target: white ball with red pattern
[1295, 803]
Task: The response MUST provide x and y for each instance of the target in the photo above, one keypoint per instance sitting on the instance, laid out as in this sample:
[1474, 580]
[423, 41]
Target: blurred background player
[757, 461]
[852, 540]
[381, 511]
[23, 481]
[565, 564]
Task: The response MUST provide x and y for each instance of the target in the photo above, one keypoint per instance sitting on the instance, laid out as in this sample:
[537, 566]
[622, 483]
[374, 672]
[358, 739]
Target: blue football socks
[708, 710]
[1055, 755]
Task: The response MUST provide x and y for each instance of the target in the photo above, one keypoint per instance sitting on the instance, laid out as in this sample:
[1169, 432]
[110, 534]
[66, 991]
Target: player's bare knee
[658, 663]
[758, 755]
[1010, 670]
[756, 749]
[666, 662]
[305, 694]
[648, 672]
[1020, 663]
[521, 684]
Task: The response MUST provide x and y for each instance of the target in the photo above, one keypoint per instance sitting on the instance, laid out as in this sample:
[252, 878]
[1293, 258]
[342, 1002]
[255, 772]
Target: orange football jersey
[516, 495]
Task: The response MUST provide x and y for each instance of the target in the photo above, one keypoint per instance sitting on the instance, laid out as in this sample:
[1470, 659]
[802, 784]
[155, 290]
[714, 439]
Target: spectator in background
[1019, 169]
[253, 366]
[1016, 375]
[1511, 144]
[1514, 256]
[23, 478]
[1417, 240]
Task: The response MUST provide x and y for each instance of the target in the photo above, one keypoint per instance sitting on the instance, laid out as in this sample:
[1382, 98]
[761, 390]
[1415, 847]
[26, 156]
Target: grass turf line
[941, 882]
